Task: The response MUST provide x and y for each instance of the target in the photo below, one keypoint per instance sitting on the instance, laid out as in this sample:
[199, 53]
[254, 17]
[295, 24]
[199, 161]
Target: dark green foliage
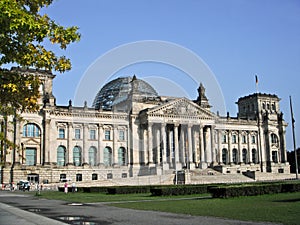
[128, 190]
[179, 190]
[254, 189]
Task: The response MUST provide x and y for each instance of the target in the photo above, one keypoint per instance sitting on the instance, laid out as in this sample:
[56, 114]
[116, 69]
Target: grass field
[279, 208]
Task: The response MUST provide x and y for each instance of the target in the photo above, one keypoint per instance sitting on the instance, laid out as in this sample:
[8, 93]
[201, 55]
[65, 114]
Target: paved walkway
[18, 208]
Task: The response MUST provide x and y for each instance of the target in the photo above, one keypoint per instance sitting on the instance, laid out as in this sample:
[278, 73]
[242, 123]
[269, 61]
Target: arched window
[107, 156]
[254, 159]
[224, 156]
[92, 156]
[234, 156]
[61, 155]
[244, 155]
[274, 139]
[122, 156]
[77, 156]
[31, 130]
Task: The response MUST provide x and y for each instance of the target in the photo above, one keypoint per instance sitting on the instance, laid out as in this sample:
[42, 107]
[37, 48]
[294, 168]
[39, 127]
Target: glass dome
[118, 90]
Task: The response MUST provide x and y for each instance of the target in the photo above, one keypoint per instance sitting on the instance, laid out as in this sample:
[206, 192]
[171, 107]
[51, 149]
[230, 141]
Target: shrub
[179, 190]
[254, 189]
[128, 190]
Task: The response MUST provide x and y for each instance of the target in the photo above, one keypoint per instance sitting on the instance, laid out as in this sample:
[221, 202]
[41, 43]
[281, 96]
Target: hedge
[179, 190]
[128, 189]
[252, 190]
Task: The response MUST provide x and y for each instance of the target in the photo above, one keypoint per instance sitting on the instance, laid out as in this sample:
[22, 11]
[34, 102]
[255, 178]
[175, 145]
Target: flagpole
[294, 141]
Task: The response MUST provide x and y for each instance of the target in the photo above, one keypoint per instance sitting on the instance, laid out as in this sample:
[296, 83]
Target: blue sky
[236, 39]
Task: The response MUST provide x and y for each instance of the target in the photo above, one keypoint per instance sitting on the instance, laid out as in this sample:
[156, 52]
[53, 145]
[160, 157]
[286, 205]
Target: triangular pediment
[180, 107]
[31, 141]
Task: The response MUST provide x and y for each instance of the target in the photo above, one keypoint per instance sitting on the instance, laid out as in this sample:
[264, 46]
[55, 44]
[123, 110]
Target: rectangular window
[253, 139]
[61, 133]
[78, 177]
[77, 133]
[30, 155]
[92, 134]
[224, 138]
[234, 138]
[107, 134]
[244, 139]
[121, 135]
[94, 176]
[274, 157]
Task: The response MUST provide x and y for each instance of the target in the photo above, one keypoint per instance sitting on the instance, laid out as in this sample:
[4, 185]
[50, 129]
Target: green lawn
[279, 208]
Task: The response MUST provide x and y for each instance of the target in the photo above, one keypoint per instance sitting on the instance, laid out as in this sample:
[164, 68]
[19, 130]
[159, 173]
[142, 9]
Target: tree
[292, 161]
[23, 31]
[23, 34]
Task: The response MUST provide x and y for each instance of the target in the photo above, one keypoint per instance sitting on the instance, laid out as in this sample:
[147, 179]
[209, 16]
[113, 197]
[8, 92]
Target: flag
[256, 79]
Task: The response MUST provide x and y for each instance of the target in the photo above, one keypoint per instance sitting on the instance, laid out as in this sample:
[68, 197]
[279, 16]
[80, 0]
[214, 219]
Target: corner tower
[265, 109]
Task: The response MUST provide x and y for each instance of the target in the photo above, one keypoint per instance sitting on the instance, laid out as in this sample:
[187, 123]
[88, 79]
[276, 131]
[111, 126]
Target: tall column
[249, 147]
[150, 144]
[220, 146]
[229, 148]
[190, 148]
[158, 146]
[213, 149]
[70, 146]
[145, 145]
[176, 143]
[203, 164]
[261, 149]
[283, 152]
[196, 146]
[164, 146]
[177, 165]
[182, 146]
[115, 147]
[46, 140]
[208, 145]
[100, 144]
[240, 150]
[17, 143]
[84, 145]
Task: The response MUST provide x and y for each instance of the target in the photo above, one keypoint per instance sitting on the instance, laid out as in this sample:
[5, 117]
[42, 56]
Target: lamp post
[294, 139]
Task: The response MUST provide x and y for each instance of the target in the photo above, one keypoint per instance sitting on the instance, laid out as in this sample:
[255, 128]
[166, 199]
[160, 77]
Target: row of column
[178, 145]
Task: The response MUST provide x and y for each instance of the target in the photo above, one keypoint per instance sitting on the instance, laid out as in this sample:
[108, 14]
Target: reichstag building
[131, 131]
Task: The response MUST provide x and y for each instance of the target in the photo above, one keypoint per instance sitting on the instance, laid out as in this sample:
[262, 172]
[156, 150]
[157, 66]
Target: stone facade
[134, 132]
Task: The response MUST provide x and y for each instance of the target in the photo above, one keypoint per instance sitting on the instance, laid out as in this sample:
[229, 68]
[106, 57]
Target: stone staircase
[205, 176]
[259, 176]
[210, 176]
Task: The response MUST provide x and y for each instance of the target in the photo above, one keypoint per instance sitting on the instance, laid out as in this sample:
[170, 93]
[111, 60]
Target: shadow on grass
[288, 200]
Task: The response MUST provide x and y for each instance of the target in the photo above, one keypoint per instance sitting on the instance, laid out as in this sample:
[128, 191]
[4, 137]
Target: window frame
[107, 134]
[92, 134]
[61, 133]
[77, 133]
[31, 130]
[121, 135]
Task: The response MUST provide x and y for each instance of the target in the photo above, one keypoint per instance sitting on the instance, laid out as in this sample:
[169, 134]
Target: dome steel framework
[118, 90]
